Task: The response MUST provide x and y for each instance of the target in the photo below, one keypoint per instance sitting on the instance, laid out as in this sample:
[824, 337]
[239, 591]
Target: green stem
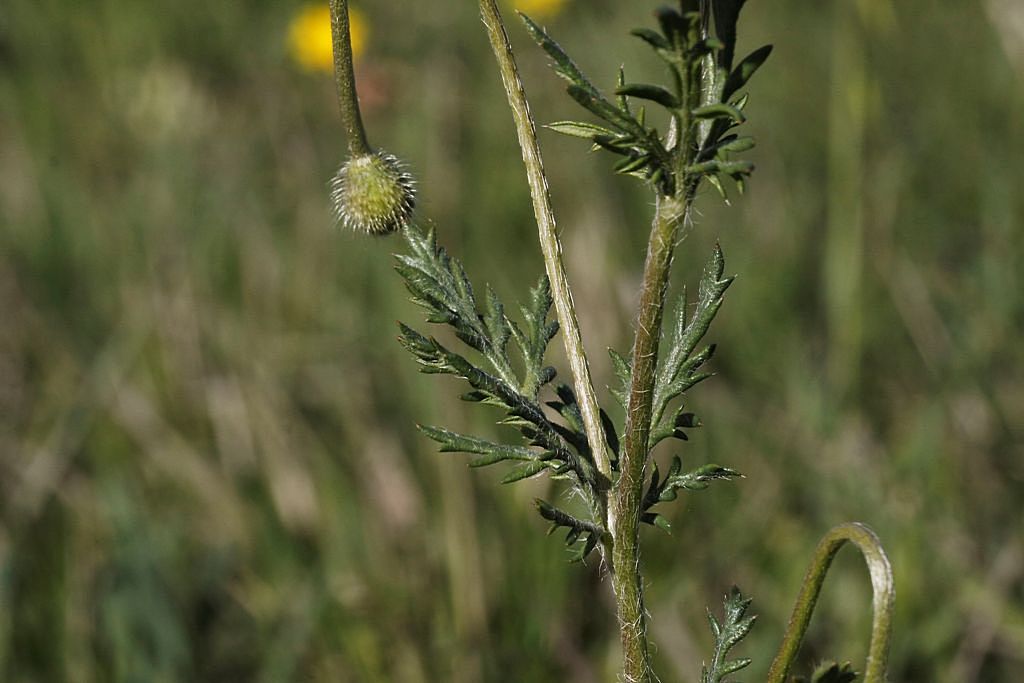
[882, 603]
[628, 490]
[549, 242]
[344, 78]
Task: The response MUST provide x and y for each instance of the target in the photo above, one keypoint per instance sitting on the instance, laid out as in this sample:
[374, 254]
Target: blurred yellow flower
[309, 37]
[539, 8]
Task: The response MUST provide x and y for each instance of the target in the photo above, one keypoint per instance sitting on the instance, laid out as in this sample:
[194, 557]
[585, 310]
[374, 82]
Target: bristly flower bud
[373, 193]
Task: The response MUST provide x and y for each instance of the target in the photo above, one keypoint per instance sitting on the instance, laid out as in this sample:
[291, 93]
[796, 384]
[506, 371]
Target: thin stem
[628, 490]
[549, 242]
[344, 78]
[882, 602]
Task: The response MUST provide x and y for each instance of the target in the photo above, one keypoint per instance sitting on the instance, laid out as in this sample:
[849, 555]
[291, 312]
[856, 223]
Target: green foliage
[680, 368]
[439, 284]
[582, 534]
[733, 628]
[703, 100]
[171, 197]
[665, 489]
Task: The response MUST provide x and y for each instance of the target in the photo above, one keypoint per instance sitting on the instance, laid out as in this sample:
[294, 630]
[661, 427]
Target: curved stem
[882, 603]
[344, 78]
[549, 242]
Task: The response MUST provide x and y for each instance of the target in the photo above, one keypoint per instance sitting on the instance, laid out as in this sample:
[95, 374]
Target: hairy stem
[882, 603]
[628, 490]
[344, 78]
[549, 242]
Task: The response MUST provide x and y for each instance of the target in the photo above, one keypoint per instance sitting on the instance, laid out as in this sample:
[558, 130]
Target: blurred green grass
[208, 467]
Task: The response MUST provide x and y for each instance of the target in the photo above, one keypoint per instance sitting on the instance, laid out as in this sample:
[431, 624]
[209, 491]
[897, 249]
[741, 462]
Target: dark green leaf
[524, 471]
[632, 164]
[734, 145]
[744, 70]
[700, 478]
[731, 630]
[726, 13]
[652, 38]
[564, 66]
[673, 25]
[452, 442]
[719, 111]
[646, 91]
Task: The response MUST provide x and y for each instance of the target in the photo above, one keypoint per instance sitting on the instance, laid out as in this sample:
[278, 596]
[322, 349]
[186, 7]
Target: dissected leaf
[734, 626]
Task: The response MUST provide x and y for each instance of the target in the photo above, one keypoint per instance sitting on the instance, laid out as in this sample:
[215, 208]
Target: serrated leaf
[441, 285]
[677, 370]
[647, 91]
[453, 442]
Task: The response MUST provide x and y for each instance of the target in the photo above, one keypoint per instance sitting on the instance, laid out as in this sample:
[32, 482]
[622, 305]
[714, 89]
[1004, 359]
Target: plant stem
[549, 242]
[344, 78]
[629, 488]
[882, 602]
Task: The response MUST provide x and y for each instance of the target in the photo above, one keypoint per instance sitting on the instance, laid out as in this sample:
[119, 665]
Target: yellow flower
[309, 37]
[539, 9]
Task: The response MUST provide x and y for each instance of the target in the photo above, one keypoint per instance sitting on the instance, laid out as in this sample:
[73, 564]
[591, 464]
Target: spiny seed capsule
[372, 193]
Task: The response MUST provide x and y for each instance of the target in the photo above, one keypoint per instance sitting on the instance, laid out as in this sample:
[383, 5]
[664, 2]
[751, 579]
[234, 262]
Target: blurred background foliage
[208, 467]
